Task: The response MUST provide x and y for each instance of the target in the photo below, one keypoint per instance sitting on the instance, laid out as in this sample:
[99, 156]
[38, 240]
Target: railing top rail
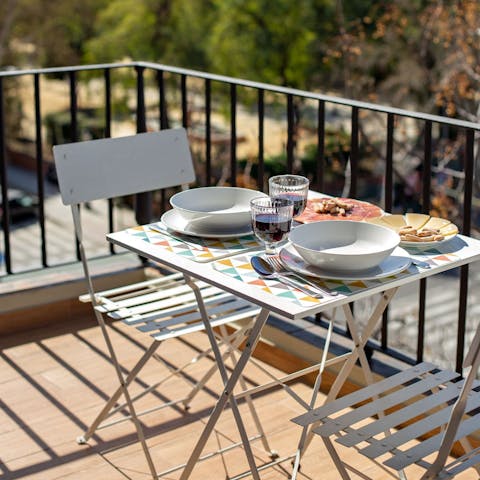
[257, 85]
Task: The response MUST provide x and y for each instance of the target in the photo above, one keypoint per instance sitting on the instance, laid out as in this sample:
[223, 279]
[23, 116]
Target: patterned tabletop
[239, 267]
[195, 248]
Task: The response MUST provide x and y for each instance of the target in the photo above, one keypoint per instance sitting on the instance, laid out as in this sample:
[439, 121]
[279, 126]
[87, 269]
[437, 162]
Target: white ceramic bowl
[344, 245]
[216, 206]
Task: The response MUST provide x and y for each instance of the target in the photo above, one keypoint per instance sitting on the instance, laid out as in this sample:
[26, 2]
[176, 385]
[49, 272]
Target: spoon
[266, 271]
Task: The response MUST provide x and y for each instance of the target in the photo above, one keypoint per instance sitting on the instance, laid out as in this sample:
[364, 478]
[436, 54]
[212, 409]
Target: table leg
[229, 383]
[357, 353]
[360, 341]
[316, 388]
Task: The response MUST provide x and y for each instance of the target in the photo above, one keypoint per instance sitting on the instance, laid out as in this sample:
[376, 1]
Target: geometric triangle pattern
[205, 250]
[240, 268]
[434, 256]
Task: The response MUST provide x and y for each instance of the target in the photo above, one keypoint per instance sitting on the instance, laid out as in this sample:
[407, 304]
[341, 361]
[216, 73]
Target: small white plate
[196, 228]
[398, 261]
[421, 245]
[419, 221]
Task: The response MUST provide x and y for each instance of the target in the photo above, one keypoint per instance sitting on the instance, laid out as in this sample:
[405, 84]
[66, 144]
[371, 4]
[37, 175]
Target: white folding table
[225, 264]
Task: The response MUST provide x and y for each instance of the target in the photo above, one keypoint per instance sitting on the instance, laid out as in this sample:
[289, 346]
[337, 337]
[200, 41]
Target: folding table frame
[464, 250]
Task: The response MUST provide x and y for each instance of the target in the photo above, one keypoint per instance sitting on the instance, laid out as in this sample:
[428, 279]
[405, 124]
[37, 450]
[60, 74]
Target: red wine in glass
[299, 201]
[271, 228]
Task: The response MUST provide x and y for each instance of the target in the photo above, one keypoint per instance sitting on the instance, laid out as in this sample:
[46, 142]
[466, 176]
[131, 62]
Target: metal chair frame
[439, 407]
[163, 308]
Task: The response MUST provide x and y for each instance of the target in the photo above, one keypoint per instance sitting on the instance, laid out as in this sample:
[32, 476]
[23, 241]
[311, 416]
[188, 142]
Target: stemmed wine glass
[271, 220]
[293, 187]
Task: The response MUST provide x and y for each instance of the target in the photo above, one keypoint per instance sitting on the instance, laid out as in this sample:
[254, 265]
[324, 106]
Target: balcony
[52, 385]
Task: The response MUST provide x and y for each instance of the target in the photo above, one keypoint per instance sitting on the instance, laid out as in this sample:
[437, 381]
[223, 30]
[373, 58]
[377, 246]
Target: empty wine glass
[293, 187]
[271, 220]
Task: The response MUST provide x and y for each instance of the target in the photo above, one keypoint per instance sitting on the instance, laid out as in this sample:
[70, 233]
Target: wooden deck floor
[53, 381]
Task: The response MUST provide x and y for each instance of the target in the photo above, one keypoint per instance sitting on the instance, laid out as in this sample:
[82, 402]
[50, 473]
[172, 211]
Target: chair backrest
[113, 167]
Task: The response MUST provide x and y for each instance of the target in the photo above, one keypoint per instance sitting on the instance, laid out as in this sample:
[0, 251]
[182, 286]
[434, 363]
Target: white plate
[404, 243]
[196, 228]
[401, 220]
[395, 263]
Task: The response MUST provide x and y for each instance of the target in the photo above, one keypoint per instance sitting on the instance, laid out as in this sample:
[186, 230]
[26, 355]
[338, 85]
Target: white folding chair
[413, 417]
[164, 307]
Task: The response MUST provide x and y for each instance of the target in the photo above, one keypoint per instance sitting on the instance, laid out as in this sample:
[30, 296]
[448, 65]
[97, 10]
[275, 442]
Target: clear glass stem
[270, 249]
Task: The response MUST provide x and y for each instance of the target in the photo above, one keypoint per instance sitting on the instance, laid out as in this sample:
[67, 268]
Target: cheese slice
[416, 220]
[378, 221]
[450, 229]
[436, 222]
[395, 221]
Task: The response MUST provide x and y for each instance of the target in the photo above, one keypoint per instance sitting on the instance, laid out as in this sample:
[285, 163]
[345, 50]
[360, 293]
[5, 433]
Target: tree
[8, 11]
[265, 41]
[456, 37]
[123, 29]
[57, 31]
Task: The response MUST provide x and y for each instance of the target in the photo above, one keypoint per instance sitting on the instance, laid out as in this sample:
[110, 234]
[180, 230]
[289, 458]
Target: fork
[279, 267]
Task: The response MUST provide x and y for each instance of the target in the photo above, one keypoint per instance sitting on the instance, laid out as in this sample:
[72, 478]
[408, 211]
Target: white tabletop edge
[206, 272]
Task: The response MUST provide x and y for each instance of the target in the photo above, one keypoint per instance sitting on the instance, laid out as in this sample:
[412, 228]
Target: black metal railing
[218, 94]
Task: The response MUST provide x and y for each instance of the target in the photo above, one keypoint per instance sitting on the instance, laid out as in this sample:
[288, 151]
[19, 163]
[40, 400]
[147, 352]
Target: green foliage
[124, 29]
[189, 31]
[57, 30]
[263, 40]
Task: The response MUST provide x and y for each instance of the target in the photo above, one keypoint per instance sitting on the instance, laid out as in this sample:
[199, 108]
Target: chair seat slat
[221, 309]
[363, 394]
[399, 416]
[416, 430]
[167, 302]
[176, 310]
[388, 401]
[430, 445]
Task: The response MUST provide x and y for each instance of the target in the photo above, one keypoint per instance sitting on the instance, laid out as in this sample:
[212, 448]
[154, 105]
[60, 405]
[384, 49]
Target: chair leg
[248, 398]
[201, 383]
[126, 394]
[104, 413]
[307, 434]
[336, 459]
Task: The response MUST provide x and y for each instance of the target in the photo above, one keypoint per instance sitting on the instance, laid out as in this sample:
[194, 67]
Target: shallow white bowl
[216, 206]
[344, 245]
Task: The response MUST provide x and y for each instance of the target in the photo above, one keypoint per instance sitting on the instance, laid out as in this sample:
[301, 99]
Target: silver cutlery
[280, 268]
[164, 231]
[263, 268]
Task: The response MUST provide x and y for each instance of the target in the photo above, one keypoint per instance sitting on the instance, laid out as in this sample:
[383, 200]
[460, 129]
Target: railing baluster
[74, 127]
[4, 182]
[467, 218]
[143, 201]
[426, 185]
[354, 153]
[320, 159]
[233, 135]
[183, 86]
[163, 122]
[208, 132]
[108, 134]
[39, 166]
[163, 114]
[427, 168]
[73, 107]
[290, 133]
[261, 146]
[388, 187]
[388, 205]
